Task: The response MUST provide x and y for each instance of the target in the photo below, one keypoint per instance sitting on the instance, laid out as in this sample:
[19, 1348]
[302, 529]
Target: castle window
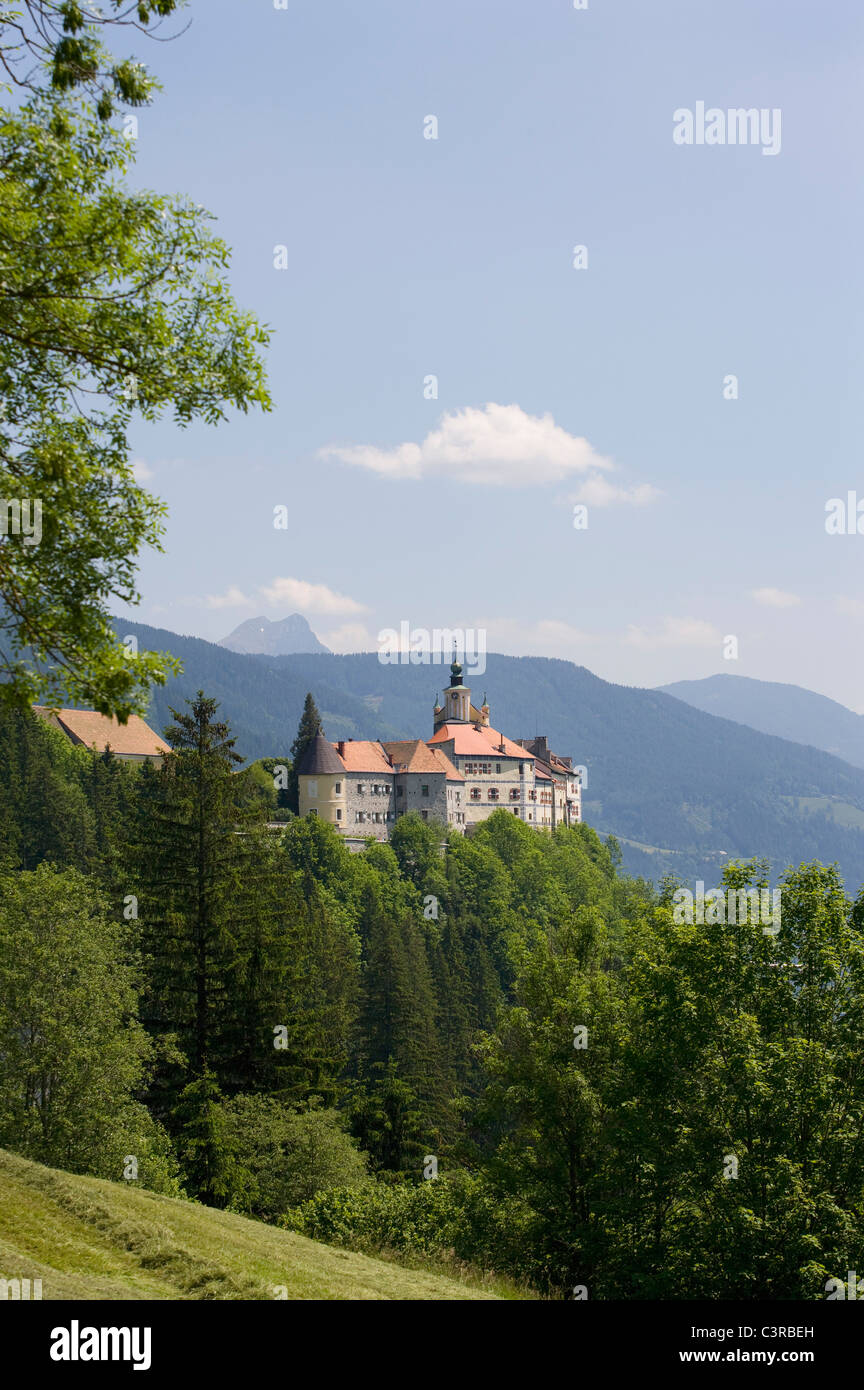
[338, 814]
[424, 790]
[521, 769]
[493, 793]
[497, 767]
[338, 788]
[361, 787]
[475, 793]
[514, 793]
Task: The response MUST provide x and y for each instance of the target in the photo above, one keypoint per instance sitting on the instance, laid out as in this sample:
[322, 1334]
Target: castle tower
[457, 698]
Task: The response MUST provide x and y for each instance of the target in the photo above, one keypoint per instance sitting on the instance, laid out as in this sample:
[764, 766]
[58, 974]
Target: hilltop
[283, 638]
[775, 708]
[684, 791]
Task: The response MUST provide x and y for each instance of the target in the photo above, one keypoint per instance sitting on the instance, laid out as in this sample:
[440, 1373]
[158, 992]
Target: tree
[398, 1053]
[113, 304]
[205, 1146]
[44, 811]
[287, 1156]
[308, 729]
[59, 42]
[550, 1066]
[745, 1117]
[74, 1055]
[203, 898]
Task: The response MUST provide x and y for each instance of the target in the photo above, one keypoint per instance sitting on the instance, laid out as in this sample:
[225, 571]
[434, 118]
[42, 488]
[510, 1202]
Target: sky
[405, 184]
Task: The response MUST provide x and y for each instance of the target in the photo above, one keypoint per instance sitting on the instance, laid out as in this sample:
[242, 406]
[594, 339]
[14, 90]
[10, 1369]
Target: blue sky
[408, 256]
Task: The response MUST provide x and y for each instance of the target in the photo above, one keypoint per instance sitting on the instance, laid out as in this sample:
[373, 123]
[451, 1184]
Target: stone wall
[381, 804]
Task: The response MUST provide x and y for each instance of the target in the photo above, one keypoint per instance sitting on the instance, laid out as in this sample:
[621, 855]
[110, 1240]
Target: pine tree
[399, 1036]
[308, 729]
[204, 894]
[207, 1154]
[43, 803]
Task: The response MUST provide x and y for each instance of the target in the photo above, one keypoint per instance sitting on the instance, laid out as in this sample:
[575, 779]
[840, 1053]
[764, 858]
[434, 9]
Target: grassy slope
[91, 1239]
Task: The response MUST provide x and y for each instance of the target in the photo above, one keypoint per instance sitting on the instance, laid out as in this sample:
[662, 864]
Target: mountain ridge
[683, 790]
[775, 707]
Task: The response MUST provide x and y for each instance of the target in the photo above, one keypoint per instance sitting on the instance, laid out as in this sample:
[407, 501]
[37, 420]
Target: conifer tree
[398, 1018]
[210, 1162]
[203, 894]
[308, 729]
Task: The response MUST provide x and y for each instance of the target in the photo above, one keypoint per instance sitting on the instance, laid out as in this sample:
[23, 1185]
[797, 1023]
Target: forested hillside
[775, 708]
[661, 776]
[496, 1051]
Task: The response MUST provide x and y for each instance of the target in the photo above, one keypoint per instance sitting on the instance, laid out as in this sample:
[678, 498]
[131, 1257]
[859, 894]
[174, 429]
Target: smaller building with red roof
[133, 742]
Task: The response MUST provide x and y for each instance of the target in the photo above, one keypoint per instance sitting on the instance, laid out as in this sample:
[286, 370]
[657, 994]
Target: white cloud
[499, 445]
[232, 598]
[301, 596]
[350, 637]
[141, 470]
[597, 491]
[675, 632]
[288, 595]
[775, 598]
[405, 461]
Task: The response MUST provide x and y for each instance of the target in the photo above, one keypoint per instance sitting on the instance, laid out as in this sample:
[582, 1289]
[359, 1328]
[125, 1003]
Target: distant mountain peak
[264, 637]
[774, 707]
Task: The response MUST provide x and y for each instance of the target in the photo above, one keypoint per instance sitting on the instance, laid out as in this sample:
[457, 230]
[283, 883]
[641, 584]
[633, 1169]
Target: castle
[458, 777]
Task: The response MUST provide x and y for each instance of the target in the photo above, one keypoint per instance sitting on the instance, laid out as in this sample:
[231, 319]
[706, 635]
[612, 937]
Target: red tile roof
[467, 741]
[510, 749]
[362, 755]
[99, 731]
[413, 755]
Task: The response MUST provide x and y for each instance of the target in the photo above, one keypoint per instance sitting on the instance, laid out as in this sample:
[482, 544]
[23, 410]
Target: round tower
[457, 697]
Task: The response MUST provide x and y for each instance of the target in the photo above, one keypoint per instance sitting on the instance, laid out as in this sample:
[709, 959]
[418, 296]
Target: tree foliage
[61, 44]
[114, 306]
